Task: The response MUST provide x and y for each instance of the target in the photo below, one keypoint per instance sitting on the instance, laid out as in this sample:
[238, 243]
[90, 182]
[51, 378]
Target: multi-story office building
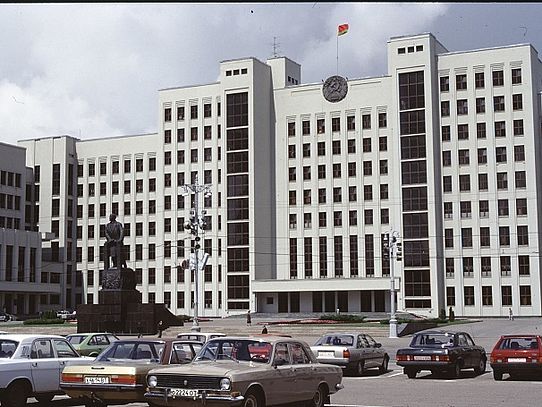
[25, 287]
[303, 189]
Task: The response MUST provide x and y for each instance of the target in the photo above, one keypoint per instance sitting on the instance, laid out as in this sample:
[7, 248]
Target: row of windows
[337, 171]
[207, 134]
[181, 304]
[410, 49]
[338, 218]
[483, 185]
[461, 82]
[10, 179]
[8, 201]
[338, 194]
[483, 206]
[487, 295]
[505, 266]
[336, 147]
[115, 167]
[193, 112]
[481, 131]
[463, 156]
[498, 105]
[485, 238]
[10, 223]
[336, 124]
[242, 71]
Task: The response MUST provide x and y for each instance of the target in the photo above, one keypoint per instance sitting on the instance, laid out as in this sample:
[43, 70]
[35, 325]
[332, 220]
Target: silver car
[355, 352]
[246, 371]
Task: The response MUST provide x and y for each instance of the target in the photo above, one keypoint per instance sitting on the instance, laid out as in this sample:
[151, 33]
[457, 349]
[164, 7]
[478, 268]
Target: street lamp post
[393, 247]
[196, 222]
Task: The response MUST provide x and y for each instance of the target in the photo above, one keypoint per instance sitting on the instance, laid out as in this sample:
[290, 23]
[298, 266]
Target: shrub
[451, 315]
[49, 314]
[44, 321]
[442, 314]
[342, 317]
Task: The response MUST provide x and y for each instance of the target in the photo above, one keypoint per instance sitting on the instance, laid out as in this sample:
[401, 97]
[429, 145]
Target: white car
[67, 315]
[30, 366]
[199, 336]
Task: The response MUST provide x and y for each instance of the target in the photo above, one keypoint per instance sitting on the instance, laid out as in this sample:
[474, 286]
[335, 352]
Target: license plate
[326, 354]
[422, 357]
[517, 360]
[182, 393]
[96, 380]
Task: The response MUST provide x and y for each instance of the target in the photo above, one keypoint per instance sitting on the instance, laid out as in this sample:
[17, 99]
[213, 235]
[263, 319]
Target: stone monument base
[120, 309]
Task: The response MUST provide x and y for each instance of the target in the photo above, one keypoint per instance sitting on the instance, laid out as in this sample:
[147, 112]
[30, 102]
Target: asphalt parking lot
[392, 388]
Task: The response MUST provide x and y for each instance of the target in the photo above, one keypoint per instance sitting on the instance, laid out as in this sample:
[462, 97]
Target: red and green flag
[343, 29]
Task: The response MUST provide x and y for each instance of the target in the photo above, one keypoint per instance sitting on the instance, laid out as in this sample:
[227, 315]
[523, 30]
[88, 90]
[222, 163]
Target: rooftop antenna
[276, 49]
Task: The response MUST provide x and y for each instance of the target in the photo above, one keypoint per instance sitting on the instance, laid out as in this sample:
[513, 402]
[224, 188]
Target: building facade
[25, 286]
[301, 190]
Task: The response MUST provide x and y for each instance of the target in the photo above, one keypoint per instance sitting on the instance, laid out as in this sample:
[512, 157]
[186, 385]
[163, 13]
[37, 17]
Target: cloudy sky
[93, 70]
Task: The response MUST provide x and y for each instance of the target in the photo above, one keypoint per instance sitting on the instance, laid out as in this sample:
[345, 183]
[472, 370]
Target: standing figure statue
[114, 233]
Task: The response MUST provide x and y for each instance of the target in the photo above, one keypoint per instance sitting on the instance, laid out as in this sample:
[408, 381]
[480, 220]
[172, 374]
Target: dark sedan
[440, 351]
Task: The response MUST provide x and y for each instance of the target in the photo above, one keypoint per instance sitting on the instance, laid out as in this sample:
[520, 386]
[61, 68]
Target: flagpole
[337, 53]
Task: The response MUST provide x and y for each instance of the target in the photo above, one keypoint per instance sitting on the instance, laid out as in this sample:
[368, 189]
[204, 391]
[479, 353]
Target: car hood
[212, 368]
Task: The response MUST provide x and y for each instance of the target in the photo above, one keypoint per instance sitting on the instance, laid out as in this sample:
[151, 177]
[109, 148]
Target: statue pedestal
[120, 309]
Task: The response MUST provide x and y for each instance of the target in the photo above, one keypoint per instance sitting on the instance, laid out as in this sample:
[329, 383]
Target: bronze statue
[114, 233]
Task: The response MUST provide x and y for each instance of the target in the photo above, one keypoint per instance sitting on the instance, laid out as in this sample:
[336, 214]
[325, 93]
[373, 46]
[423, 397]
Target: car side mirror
[378, 345]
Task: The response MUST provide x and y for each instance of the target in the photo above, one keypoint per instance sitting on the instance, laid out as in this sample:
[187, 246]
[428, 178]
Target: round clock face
[335, 88]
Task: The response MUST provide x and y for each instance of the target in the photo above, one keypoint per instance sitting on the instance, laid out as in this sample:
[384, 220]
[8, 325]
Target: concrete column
[2, 262]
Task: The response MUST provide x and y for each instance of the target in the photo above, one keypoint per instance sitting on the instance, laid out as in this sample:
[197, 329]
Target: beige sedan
[248, 372]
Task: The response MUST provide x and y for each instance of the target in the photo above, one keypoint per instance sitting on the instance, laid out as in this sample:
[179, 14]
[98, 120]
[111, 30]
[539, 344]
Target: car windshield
[7, 348]
[236, 349]
[430, 340]
[76, 339]
[518, 343]
[139, 351]
[337, 339]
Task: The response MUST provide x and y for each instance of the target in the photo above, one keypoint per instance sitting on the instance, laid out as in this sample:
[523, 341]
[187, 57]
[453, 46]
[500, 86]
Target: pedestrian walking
[160, 328]
[510, 314]
[264, 330]
[249, 319]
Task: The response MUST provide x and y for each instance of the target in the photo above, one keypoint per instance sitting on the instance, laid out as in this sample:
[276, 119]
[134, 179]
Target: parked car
[246, 371]
[91, 344]
[440, 351]
[199, 336]
[118, 374]
[516, 354]
[30, 366]
[5, 317]
[355, 352]
[65, 314]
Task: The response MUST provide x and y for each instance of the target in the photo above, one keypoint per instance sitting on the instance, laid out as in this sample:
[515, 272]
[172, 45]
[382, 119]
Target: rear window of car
[76, 339]
[7, 348]
[518, 343]
[430, 340]
[339, 340]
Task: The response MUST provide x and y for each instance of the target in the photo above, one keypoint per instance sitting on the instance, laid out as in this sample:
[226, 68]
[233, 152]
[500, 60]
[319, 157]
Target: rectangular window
[498, 103]
[366, 121]
[480, 130]
[483, 184]
[516, 76]
[485, 238]
[517, 101]
[350, 123]
[450, 296]
[498, 78]
[463, 131]
[468, 295]
[462, 107]
[487, 295]
[525, 295]
[306, 127]
[506, 295]
[518, 127]
[445, 131]
[523, 265]
[480, 105]
[335, 124]
[382, 120]
[461, 82]
[479, 82]
[444, 83]
[320, 126]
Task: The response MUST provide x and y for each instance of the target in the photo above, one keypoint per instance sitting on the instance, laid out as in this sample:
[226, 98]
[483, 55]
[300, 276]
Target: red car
[515, 354]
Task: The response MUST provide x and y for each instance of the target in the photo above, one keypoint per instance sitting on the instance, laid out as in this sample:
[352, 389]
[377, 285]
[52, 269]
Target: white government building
[439, 149]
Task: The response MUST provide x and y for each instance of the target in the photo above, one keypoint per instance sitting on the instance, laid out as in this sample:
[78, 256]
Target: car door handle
[62, 363]
[34, 364]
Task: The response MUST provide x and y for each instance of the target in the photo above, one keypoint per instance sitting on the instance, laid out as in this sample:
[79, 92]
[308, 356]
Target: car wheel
[44, 398]
[411, 373]
[481, 368]
[320, 397]
[384, 367]
[16, 395]
[497, 375]
[253, 399]
[360, 368]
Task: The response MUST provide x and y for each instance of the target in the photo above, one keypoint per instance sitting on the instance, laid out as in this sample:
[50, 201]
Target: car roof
[22, 337]
[520, 336]
[438, 332]
[262, 338]
[202, 333]
[91, 333]
[189, 342]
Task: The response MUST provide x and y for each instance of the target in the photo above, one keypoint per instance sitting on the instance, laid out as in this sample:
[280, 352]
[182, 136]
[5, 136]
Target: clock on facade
[335, 88]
